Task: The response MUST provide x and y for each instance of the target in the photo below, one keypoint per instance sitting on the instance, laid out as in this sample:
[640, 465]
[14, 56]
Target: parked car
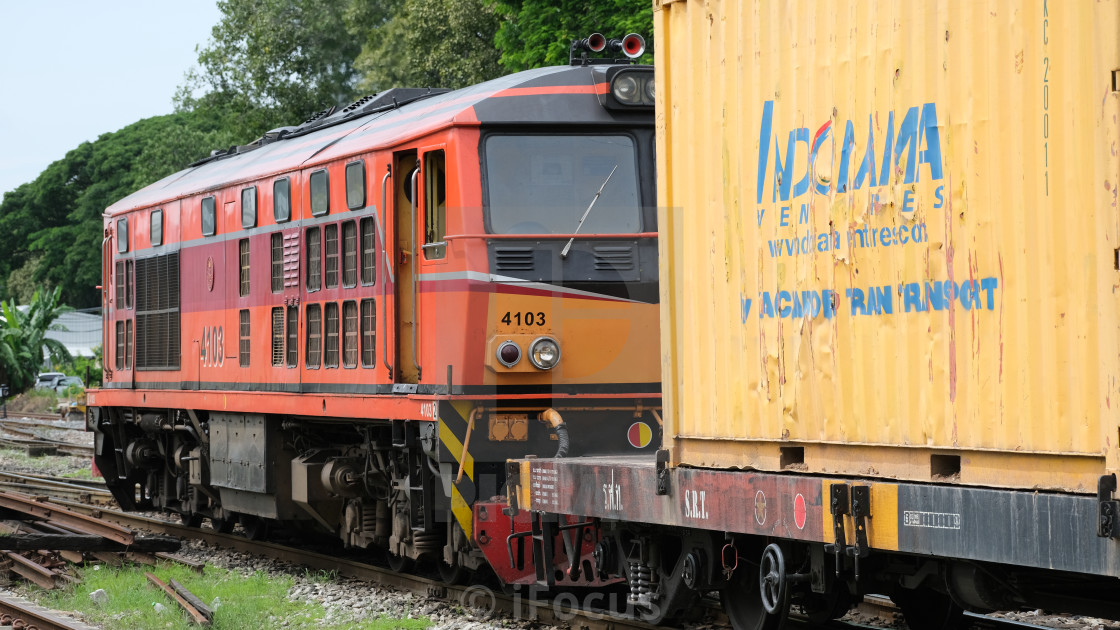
[63, 385]
[48, 380]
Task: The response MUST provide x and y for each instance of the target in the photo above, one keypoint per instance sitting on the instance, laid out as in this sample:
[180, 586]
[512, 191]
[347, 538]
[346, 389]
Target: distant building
[82, 332]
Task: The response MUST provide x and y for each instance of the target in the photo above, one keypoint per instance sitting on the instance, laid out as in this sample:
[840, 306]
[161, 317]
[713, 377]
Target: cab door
[406, 187]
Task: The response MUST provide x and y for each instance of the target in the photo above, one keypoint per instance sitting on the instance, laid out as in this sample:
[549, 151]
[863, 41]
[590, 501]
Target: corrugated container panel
[889, 237]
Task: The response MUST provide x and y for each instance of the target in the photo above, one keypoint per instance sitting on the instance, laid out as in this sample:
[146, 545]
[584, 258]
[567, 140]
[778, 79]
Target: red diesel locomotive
[350, 324]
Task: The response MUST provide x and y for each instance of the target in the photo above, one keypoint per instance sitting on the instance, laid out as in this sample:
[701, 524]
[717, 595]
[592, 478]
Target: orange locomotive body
[352, 323]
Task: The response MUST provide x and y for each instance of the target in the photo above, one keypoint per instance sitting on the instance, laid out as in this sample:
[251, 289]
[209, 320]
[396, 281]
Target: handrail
[384, 267]
[415, 271]
[452, 237]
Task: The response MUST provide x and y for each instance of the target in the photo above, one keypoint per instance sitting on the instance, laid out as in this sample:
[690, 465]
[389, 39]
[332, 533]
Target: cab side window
[435, 205]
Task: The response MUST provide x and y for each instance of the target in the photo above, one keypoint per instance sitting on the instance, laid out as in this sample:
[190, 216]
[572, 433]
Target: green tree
[537, 33]
[293, 56]
[436, 43]
[51, 228]
[24, 345]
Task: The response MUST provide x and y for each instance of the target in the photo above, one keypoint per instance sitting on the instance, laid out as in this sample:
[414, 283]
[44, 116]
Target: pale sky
[71, 70]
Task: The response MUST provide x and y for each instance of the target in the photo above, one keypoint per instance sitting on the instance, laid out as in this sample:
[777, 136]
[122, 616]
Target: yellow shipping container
[889, 238]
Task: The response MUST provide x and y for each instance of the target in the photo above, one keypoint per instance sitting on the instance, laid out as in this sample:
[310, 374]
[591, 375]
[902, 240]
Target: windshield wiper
[564, 252]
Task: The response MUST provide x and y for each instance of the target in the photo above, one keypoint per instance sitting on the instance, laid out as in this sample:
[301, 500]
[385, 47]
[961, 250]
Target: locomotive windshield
[543, 184]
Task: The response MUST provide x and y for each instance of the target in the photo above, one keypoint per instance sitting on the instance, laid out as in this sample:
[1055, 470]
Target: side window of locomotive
[282, 200]
[369, 334]
[276, 246]
[538, 184]
[122, 235]
[293, 336]
[128, 282]
[330, 256]
[314, 335]
[118, 276]
[155, 227]
[243, 267]
[314, 259]
[355, 185]
[350, 334]
[243, 337]
[320, 193]
[349, 254]
[249, 207]
[369, 261]
[120, 345]
[435, 210]
[330, 353]
[209, 217]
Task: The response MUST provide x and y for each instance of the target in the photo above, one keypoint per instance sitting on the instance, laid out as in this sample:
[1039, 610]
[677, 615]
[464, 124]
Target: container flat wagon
[890, 262]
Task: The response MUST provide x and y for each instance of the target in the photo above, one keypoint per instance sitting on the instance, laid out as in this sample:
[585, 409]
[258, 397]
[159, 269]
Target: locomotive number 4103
[528, 318]
[212, 350]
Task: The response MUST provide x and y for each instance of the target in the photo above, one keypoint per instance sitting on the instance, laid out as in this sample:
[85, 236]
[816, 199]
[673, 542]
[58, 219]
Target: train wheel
[191, 520]
[400, 564]
[743, 604]
[452, 574]
[223, 524]
[255, 528]
[927, 609]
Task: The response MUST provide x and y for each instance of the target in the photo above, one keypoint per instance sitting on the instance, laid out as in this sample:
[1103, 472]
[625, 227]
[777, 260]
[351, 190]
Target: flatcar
[349, 325]
[890, 268]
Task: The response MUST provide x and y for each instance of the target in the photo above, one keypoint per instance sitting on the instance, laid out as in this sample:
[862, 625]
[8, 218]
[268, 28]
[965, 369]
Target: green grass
[256, 602]
[81, 473]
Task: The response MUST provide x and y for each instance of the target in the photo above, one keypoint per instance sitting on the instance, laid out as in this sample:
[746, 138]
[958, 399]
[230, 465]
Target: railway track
[479, 602]
[56, 487]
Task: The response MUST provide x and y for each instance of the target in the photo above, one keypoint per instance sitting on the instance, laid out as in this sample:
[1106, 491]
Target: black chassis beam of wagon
[1016, 527]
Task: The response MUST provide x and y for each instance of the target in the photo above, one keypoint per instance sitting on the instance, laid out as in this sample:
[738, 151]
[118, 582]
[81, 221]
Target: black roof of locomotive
[554, 96]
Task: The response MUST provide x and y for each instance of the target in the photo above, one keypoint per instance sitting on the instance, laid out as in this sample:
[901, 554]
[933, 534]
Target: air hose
[553, 418]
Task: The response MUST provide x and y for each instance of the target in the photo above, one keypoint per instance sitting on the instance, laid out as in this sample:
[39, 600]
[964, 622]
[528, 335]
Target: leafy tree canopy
[51, 228]
[536, 33]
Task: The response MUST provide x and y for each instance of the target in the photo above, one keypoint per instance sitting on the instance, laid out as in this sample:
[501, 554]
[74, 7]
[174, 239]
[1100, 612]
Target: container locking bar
[861, 513]
[1108, 509]
[838, 507]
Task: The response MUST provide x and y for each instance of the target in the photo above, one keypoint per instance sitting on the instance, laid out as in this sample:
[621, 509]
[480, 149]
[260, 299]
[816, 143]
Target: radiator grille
[157, 312]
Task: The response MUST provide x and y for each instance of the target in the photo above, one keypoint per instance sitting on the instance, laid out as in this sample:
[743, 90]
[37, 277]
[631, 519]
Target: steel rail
[21, 613]
[57, 513]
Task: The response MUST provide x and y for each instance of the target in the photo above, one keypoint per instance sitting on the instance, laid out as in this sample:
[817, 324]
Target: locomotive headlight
[509, 353]
[544, 353]
[649, 91]
[626, 89]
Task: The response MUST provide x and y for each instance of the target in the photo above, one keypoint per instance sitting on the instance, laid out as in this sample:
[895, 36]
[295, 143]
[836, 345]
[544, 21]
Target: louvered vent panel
[514, 258]
[617, 258]
[157, 312]
[291, 259]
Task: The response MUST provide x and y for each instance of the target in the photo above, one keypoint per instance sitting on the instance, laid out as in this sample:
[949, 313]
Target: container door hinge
[662, 472]
[1108, 509]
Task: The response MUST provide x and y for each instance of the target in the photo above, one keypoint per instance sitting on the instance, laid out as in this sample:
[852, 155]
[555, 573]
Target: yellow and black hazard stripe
[454, 425]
